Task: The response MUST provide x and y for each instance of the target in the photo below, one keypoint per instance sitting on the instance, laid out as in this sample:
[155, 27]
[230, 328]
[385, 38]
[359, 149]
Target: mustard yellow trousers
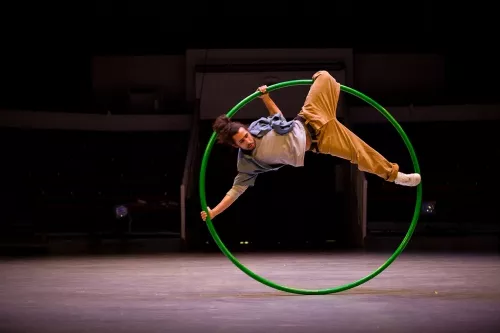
[320, 109]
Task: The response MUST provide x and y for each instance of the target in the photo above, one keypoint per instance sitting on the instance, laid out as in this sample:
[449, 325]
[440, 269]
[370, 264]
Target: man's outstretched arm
[231, 196]
[268, 102]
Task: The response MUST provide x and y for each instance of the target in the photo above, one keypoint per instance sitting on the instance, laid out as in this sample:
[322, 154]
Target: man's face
[244, 139]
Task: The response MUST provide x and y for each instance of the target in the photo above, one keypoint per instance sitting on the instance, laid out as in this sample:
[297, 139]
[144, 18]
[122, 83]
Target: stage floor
[207, 293]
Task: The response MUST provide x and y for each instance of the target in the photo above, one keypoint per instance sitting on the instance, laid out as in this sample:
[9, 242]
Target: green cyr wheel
[340, 288]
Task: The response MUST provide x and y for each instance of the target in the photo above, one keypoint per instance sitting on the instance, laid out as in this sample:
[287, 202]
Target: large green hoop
[344, 287]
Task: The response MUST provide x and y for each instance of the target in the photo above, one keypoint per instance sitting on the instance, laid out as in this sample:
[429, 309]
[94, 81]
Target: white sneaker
[413, 179]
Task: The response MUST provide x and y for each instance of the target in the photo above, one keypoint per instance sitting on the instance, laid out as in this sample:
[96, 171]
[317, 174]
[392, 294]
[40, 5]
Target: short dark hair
[226, 129]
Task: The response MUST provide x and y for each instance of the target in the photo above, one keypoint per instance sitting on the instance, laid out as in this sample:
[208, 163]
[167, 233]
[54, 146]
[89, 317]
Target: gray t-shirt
[274, 148]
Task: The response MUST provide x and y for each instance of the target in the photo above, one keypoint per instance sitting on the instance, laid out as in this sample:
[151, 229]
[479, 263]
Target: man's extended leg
[320, 109]
[337, 140]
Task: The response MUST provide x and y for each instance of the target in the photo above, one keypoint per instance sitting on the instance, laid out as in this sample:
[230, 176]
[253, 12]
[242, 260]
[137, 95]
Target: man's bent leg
[320, 105]
[337, 140]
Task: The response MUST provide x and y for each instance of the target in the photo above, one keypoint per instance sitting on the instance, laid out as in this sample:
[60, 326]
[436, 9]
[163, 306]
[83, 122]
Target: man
[270, 143]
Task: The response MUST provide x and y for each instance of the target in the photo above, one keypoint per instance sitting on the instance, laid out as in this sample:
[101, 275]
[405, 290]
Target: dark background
[67, 182]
